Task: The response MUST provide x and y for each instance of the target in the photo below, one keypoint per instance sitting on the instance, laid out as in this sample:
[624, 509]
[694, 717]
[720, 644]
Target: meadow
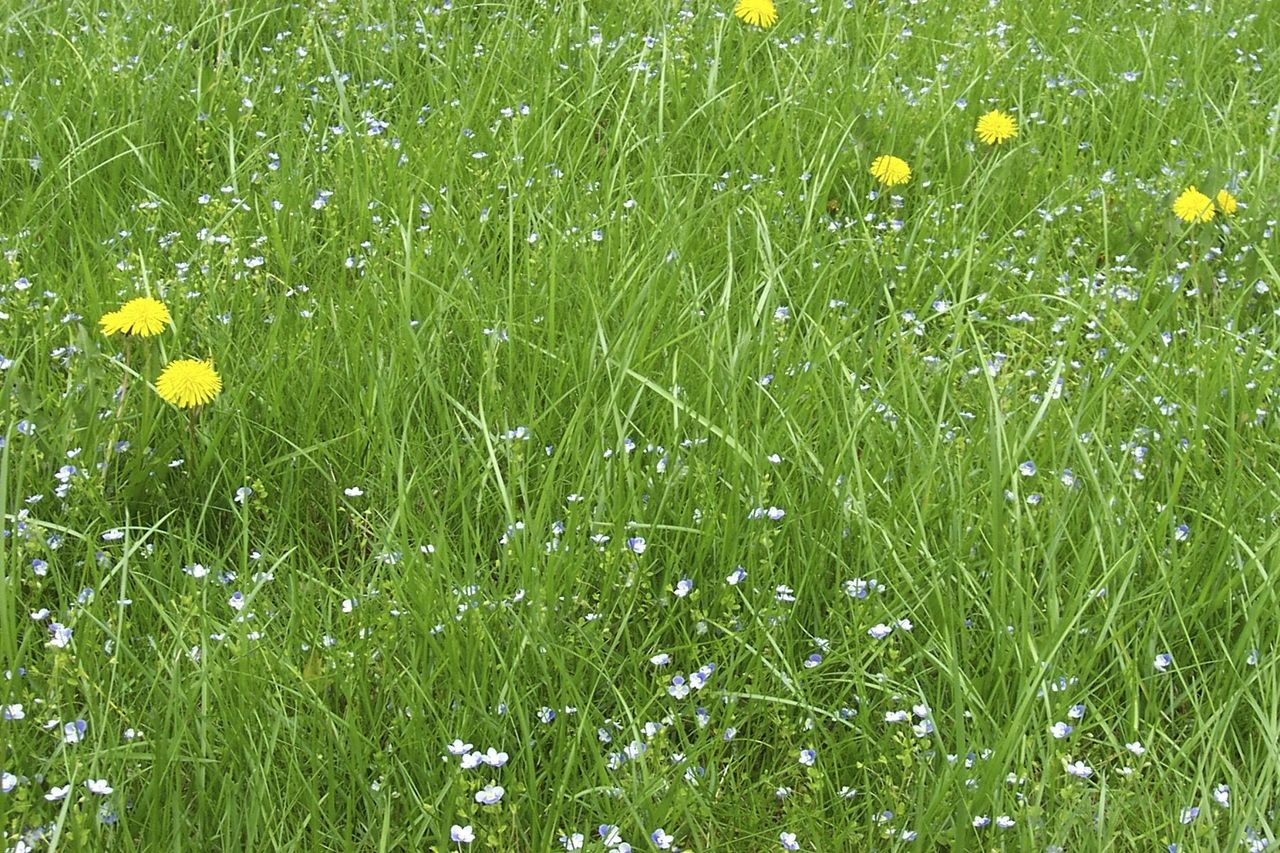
[570, 425]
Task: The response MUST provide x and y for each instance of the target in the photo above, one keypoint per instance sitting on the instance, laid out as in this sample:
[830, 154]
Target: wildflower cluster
[994, 128]
[1193, 206]
[185, 383]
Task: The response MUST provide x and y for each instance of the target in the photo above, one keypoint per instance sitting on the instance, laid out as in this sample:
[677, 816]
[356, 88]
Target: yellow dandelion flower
[757, 13]
[1226, 202]
[890, 170]
[111, 323]
[1193, 206]
[186, 383]
[143, 317]
[996, 126]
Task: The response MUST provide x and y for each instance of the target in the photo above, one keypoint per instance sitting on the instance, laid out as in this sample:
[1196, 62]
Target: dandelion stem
[124, 379]
[192, 413]
[115, 426]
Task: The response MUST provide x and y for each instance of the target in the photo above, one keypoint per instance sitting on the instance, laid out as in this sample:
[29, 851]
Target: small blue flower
[98, 786]
[74, 732]
[490, 795]
[61, 635]
[494, 758]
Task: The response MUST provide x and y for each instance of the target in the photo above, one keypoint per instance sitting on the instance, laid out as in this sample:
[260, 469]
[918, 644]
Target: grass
[497, 288]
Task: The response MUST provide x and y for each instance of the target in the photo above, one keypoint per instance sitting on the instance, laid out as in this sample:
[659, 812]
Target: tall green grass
[494, 288]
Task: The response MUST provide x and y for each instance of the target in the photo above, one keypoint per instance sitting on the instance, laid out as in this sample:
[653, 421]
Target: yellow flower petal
[757, 13]
[1193, 206]
[1226, 202]
[111, 323]
[996, 127]
[186, 383]
[142, 317]
[890, 170]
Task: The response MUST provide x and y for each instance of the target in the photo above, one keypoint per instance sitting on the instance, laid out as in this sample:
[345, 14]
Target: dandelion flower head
[1226, 202]
[996, 127]
[187, 383]
[1193, 206]
[890, 170]
[757, 13]
[143, 317]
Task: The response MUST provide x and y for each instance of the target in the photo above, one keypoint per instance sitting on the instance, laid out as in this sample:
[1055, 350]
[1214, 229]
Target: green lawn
[586, 399]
